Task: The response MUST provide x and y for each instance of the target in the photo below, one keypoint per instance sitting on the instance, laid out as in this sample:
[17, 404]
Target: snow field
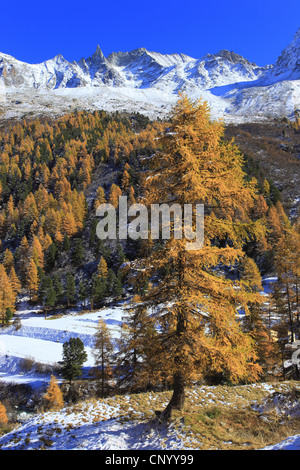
[41, 339]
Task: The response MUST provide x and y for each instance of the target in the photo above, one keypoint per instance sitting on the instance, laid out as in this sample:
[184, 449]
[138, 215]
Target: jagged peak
[98, 54]
[295, 43]
[134, 52]
[230, 56]
[96, 59]
[59, 57]
[289, 58]
[297, 34]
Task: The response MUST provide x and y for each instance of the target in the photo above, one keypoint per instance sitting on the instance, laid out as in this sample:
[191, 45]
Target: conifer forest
[203, 317]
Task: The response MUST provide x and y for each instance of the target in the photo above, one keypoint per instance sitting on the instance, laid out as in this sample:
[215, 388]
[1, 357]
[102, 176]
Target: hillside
[58, 280]
[216, 418]
[273, 150]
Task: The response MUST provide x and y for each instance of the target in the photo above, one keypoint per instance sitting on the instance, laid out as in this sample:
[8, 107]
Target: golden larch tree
[53, 396]
[3, 415]
[102, 268]
[14, 281]
[7, 294]
[8, 260]
[100, 197]
[103, 352]
[287, 287]
[193, 304]
[115, 192]
[32, 280]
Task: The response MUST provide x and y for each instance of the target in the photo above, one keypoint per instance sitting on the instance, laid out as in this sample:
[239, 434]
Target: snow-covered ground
[291, 443]
[115, 424]
[41, 339]
[96, 427]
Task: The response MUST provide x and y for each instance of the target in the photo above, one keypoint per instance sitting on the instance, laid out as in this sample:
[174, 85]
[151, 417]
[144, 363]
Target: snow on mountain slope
[287, 66]
[149, 82]
[138, 69]
[139, 80]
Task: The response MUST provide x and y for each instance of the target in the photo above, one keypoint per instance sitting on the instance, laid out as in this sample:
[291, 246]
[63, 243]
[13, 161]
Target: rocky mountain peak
[288, 63]
[142, 79]
[98, 55]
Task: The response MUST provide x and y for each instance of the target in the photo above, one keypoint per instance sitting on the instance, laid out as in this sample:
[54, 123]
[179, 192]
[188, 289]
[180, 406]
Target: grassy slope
[219, 417]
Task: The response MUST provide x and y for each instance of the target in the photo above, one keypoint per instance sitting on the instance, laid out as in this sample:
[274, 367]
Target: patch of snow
[41, 339]
[148, 82]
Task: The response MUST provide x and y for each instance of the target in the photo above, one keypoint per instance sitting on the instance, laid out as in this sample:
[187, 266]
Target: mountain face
[137, 69]
[287, 66]
[149, 82]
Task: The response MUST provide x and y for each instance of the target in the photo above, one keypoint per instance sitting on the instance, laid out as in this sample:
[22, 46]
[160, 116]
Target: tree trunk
[102, 368]
[178, 398]
[290, 313]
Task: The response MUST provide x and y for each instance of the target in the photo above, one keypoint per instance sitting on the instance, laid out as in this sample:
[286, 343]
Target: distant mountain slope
[137, 69]
[149, 82]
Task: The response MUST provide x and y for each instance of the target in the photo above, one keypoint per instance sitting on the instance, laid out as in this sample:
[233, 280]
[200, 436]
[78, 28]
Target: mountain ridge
[149, 82]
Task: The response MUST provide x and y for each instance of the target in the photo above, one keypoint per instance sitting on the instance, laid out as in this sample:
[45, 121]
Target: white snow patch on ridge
[148, 82]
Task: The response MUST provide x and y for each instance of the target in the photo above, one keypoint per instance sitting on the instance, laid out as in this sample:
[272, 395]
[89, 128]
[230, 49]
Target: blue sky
[34, 31]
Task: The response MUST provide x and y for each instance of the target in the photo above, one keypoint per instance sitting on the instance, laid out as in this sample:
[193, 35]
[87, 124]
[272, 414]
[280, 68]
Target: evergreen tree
[114, 284]
[47, 293]
[120, 256]
[51, 256]
[70, 289]
[50, 297]
[74, 356]
[66, 243]
[77, 253]
[98, 290]
[83, 291]
[8, 315]
[58, 287]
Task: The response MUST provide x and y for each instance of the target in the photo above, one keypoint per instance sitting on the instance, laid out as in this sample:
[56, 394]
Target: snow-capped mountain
[287, 66]
[149, 82]
[136, 69]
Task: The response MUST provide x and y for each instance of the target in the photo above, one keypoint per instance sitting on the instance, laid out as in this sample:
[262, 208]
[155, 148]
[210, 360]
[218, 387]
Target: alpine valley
[126, 342]
[148, 82]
